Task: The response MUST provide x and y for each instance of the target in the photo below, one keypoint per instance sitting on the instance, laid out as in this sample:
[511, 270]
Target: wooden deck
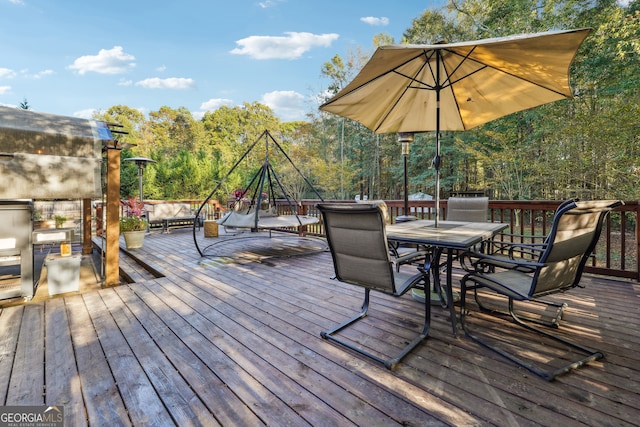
[234, 340]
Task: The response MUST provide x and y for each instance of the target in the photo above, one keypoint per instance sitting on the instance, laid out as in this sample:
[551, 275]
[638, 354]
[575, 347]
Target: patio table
[449, 236]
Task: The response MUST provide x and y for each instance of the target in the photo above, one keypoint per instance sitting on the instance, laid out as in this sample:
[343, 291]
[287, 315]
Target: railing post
[302, 230]
[637, 220]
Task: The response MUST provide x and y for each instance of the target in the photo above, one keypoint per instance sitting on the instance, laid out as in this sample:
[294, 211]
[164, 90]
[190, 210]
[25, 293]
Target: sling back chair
[559, 265]
[463, 209]
[400, 254]
[468, 209]
[512, 246]
[356, 236]
[522, 245]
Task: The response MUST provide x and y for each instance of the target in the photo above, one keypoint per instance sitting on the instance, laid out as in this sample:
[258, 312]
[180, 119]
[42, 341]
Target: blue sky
[73, 57]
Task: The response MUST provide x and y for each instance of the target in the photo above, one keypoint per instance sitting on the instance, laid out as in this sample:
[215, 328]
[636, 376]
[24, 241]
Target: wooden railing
[617, 253]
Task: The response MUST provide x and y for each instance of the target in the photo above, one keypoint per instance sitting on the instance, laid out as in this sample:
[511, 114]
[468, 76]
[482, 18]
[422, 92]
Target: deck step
[132, 268]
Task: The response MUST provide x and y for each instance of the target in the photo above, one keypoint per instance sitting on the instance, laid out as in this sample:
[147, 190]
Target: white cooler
[63, 273]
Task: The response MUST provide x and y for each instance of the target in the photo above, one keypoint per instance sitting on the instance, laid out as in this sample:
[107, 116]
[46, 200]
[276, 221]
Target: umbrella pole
[406, 185]
[436, 159]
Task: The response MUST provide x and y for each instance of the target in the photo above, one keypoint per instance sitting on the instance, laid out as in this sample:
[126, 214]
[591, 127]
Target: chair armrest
[509, 239]
[510, 249]
[411, 256]
[532, 237]
[475, 262]
[526, 249]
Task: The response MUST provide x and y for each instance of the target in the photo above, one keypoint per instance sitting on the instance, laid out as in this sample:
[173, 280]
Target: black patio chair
[360, 252]
[512, 244]
[559, 265]
[468, 209]
[400, 254]
[514, 247]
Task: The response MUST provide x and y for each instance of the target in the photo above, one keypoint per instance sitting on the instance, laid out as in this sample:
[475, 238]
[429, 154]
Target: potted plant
[60, 220]
[38, 221]
[133, 226]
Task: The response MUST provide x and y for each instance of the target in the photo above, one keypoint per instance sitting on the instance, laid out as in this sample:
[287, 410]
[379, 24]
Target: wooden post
[112, 241]
[302, 230]
[87, 246]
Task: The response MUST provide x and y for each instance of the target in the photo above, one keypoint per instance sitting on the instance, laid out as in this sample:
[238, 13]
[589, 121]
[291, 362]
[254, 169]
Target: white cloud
[43, 73]
[5, 89]
[287, 104]
[291, 46]
[322, 97]
[21, 2]
[125, 82]
[215, 103]
[269, 3]
[371, 20]
[178, 83]
[7, 73]
[161, 68]
[113, 61]
[84, 114]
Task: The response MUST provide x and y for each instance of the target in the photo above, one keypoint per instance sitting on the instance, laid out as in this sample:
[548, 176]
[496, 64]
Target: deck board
[181, 346]
[177, 397]
[234, 341]
[103, 403]
[143, 403]
[27, 386]
[61, 375]
[10, 322]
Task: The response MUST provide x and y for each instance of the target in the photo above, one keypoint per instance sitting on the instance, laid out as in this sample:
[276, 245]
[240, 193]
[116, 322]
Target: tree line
[587, 146]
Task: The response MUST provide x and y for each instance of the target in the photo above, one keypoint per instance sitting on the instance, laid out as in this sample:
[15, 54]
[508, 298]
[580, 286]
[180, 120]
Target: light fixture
[405, 138]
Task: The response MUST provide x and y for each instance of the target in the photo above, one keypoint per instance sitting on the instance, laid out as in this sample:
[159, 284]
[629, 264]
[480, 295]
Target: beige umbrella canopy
[458, 86]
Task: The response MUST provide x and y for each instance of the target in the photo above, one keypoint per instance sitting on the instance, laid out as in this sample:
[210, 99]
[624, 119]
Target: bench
[170, 215]
[178, 222]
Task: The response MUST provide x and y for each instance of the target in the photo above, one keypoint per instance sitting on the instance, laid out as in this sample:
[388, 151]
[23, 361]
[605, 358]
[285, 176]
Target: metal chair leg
[389, 363]
[554, 321]
[549, 375]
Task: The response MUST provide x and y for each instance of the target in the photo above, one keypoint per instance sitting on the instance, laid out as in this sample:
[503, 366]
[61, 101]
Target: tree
[230, 131]
[173, 130]
[130, 121]
[433, 26]
[348, 143]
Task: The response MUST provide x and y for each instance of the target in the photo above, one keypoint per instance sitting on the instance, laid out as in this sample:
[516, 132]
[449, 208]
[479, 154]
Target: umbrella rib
[364, 83]
[412, 79]
[421, 84]
[484, 66]
[447, 82]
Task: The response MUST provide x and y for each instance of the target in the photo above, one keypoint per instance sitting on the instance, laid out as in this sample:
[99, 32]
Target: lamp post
[141, 163]
[405, 138]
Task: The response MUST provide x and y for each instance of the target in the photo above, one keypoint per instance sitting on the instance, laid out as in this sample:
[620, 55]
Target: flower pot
[134, 239]
[39, 223]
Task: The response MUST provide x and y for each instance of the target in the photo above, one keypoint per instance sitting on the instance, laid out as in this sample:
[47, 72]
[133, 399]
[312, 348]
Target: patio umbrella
[457, 86]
